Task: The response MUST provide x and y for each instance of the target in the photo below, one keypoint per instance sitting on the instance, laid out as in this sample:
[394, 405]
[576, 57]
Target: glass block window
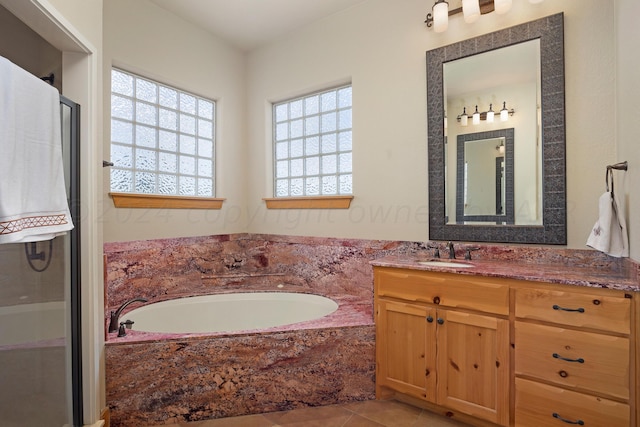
[312, 144]
[162, 139]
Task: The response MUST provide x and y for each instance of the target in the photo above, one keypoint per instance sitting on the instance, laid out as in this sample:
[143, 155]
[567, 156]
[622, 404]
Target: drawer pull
[557, 356]
[564, 420]
[440, 320]
[430, 319]
[578, 310]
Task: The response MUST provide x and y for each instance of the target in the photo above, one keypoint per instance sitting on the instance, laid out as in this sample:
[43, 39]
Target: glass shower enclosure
[40, 352]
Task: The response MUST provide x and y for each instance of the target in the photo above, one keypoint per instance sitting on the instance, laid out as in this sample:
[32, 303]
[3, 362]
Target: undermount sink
[451, 264]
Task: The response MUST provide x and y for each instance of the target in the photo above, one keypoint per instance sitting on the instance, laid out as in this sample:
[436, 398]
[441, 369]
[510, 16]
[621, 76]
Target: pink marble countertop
[621, 277]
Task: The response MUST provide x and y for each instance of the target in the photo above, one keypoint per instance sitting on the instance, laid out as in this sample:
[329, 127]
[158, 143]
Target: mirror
[538, 190]
[484, 182]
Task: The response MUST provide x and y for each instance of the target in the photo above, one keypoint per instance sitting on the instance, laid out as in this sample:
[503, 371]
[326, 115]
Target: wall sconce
[471, 9]
[500, 148]
[488, 116]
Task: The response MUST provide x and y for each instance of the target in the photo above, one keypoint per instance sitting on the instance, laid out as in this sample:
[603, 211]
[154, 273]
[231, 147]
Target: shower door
[40, 353]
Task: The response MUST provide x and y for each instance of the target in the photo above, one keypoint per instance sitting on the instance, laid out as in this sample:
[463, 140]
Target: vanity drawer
[448, 290]
[589, 361]
[585, 310]
[545, 405]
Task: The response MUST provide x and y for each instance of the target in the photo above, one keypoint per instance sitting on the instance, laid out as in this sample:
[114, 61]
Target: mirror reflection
[490, 91]
[484, 181]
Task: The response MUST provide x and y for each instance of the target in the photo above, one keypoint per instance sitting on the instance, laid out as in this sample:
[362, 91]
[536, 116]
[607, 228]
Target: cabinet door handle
[440, 320]
[429, 319]
[564, 420]
[578, 310]
[557, 356]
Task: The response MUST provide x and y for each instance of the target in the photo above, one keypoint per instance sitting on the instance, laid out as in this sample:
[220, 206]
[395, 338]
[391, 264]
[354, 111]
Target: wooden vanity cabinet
[506, 351]
[444, 338]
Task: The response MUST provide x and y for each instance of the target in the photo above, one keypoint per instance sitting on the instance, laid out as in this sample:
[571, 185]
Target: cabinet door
[473, 365]
[406, 348]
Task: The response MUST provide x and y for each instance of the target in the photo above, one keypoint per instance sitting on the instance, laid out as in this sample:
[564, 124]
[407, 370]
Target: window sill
[320, 202]
[130, 200]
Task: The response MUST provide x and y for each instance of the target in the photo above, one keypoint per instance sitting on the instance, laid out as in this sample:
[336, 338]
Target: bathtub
[326, 356]
[32, 324]
[229, 312]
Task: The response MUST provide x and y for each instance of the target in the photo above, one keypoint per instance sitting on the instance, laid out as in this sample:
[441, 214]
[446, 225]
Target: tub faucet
[115, 315]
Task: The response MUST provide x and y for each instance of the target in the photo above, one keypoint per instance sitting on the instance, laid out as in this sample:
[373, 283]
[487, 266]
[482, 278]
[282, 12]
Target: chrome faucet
[115, 315]
[452, 251]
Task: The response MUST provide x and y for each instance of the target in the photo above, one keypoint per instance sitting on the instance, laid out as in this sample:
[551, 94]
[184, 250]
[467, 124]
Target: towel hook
[49, 79]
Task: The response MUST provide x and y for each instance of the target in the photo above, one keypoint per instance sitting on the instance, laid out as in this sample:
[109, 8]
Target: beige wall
[380, 46]
[627, 96]
[145, 39]
[85, 16]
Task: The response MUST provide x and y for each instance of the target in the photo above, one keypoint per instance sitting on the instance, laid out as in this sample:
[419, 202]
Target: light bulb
[502, 6]
[471, 10]
[440, 16]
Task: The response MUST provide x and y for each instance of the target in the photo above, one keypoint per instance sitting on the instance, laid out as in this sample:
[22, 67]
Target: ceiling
[249, 24]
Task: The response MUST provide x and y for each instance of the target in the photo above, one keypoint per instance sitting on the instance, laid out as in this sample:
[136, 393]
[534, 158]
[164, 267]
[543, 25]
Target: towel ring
[623, 166]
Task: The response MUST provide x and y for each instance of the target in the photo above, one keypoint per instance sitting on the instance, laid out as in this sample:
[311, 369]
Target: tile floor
[372, 413]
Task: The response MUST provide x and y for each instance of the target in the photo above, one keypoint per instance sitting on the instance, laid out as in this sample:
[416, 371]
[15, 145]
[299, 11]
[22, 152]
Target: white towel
[33, 200]
[609, 234]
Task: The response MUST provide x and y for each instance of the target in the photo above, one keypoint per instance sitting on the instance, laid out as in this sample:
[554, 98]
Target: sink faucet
[115, 315]
[452, 251]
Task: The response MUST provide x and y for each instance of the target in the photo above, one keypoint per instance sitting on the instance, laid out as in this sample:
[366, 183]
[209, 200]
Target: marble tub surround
[169, 378]
[165, 269]
[171, 382]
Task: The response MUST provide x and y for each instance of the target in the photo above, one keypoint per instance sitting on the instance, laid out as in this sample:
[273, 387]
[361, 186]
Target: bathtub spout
[115, 315]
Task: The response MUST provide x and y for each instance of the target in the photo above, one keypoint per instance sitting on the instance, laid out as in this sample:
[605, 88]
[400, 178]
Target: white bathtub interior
[229, 312]
[32, 323]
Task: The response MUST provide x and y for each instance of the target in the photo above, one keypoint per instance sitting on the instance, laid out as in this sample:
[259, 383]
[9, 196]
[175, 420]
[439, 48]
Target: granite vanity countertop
[623, 276]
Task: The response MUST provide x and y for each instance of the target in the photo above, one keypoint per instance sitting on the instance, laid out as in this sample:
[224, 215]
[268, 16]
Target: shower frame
[75, 262]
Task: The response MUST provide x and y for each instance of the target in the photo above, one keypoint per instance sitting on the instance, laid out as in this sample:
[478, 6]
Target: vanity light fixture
[471, 10]
[488, 116]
